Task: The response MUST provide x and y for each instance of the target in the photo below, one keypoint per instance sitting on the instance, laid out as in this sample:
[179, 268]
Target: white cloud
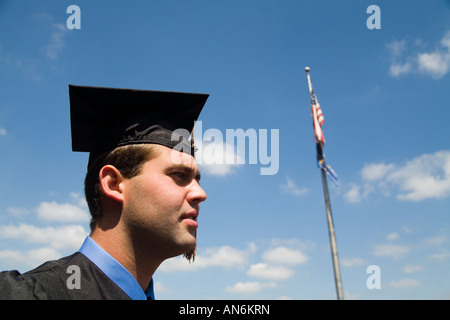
[397, 70]
[398, 67]
[396, 47]
[26, 66]
[63, 237]
[440, 257]
[354, 194]
[249, 287]
[12, 257]
[435, 241]
[27, 259]
[2, 131]
[435, 63]
[376, 171]
[53, 239]
[289, 186]
[391, 250]
[410, 268]
[407, 230]
[79, 200]
[352, 262]
[18, 212]
[160, 287]
[56, 43]
[217, 158]
[424, 177]
[63, 212]
[403, 283]
[357, 193]
[224, 256]
[303, 245]
[393, 236]
[270, 272]
[274, 268]
[29, 66]
[283, 255]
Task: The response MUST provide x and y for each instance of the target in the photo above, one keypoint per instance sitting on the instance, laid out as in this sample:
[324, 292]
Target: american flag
[318, 119]
[322, 163]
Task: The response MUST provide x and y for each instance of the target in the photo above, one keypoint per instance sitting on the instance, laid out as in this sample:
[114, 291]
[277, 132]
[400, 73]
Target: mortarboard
[105, 118]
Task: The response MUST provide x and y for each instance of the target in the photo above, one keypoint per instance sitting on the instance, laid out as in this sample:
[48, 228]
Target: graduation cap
[105, 118]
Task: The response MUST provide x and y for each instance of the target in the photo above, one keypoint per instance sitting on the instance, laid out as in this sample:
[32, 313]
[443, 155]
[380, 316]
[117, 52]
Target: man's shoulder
[15, 286]
[43, 282]
[69, 278]
[56, 267]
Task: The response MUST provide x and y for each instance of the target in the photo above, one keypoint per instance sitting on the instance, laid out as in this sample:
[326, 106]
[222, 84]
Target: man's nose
[196, 193]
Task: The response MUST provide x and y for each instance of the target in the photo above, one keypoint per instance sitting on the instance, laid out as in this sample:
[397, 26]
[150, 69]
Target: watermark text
[239, 147]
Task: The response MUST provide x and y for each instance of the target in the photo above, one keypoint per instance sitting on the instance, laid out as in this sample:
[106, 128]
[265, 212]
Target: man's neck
[141, 266]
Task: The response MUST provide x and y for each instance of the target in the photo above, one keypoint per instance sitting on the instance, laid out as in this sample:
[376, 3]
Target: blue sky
[385, 97]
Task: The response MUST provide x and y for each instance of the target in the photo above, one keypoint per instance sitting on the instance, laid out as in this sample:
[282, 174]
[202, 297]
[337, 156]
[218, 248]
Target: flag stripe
[319, 113]
[318, 118]
[318, 121]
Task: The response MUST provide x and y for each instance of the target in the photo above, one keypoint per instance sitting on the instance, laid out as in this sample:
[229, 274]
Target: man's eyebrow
[187, 169]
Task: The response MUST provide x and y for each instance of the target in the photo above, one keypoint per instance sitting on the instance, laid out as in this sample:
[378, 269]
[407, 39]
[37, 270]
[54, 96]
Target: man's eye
[179, 175]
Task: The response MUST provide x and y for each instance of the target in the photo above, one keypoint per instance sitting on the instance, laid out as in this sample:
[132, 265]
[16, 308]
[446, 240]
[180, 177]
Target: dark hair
[129, 160]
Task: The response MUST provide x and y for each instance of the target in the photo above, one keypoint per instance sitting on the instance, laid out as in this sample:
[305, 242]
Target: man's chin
[191, 255]
[191, 250]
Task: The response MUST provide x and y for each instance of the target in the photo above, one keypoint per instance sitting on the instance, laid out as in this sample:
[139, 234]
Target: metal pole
[333, 246]
[334, 254]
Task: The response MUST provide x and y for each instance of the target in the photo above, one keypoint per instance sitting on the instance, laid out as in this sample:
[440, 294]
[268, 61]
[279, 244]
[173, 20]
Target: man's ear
[111, 182]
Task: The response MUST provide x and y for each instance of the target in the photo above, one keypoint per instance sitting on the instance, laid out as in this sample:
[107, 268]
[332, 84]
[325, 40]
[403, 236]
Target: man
[142, 189]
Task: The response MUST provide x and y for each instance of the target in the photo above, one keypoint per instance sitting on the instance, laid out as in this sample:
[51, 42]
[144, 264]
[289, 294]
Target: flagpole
[334, 254]
[333, 246]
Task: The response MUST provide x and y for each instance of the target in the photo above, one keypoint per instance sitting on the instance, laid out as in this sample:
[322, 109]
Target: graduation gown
[89, 274]
[49, 282]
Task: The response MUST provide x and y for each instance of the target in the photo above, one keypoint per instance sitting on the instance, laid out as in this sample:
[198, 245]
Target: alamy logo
[374, 21]
[213, 149]
[374, 280]
[74, 20]
[73, 281]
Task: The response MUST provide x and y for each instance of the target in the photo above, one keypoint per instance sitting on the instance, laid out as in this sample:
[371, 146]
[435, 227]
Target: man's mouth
[190, 219]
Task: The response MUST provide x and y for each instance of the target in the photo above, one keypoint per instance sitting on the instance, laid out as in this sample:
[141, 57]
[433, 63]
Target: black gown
[49, 282]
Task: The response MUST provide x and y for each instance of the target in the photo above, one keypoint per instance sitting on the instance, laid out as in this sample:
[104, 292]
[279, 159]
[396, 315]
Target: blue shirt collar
[115, 271]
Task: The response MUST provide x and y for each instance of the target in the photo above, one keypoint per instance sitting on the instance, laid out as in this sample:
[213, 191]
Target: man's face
[161, 204]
